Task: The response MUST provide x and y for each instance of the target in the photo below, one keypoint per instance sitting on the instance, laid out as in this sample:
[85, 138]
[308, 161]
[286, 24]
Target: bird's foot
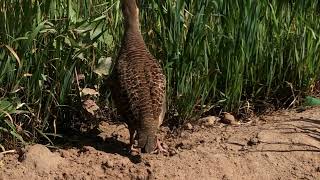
[134, 151]
[160, 148]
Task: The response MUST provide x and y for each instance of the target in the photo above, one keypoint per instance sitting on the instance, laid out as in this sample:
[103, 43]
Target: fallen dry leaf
[89, 91]
[90, 106]
[103, 66]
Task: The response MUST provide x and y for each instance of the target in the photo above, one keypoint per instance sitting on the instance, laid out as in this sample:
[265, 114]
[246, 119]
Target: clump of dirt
[283, 145]
[41, 158]
[37, 160]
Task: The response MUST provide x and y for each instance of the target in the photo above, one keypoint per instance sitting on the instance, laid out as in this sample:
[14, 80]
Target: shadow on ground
[108, 144]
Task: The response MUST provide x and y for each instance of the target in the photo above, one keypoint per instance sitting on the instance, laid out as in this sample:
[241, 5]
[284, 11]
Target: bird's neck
[132, 25]
[133, 33]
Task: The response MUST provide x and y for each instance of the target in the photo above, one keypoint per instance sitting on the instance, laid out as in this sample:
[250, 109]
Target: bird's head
[130, 12]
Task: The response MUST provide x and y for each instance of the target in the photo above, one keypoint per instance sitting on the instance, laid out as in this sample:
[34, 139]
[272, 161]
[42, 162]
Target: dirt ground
[283, 145]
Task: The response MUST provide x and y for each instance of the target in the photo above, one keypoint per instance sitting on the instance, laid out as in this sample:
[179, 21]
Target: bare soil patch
[283, 145]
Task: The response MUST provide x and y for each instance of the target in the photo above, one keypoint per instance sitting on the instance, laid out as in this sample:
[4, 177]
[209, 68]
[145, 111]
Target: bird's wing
[120, 91]
[157, 86]
[134, 78]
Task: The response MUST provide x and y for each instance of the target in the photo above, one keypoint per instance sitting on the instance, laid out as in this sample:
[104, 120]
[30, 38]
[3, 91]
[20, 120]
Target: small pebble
[172, 152]
[189, 126]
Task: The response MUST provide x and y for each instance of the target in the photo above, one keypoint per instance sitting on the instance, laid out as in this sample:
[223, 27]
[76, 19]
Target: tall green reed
[215, 53]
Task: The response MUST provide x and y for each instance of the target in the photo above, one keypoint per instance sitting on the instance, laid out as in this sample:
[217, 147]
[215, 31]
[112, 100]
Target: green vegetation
[232, 55]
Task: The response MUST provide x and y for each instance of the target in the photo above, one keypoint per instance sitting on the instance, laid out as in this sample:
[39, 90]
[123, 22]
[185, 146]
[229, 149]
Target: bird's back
[141, 82]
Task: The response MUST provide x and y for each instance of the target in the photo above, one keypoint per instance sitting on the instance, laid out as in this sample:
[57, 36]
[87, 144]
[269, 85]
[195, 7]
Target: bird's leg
[160, 147]
[133, 149]
[132, 134]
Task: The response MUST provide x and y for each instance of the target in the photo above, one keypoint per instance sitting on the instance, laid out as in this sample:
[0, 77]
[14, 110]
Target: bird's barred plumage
[139, 91]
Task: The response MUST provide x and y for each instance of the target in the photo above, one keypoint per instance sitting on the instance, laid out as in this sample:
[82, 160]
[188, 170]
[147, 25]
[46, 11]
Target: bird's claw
[160, 148]
[134, 151]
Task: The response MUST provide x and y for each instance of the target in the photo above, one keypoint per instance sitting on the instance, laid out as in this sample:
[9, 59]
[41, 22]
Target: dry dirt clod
[90, 106]
[172, 152]
[64, 153]
[228, 119]
[41, 158]
[253, 141]
[189, 126]
[88, 148]
[208, 121]
[108, 164]
[184, 145]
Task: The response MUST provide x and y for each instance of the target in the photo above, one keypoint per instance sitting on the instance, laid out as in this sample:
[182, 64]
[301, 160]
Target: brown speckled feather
[139, 91]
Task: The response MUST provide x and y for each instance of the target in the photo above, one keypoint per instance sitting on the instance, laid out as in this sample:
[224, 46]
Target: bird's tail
[147, 138]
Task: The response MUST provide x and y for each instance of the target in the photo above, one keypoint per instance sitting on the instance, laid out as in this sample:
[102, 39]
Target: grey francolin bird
[139, 84]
